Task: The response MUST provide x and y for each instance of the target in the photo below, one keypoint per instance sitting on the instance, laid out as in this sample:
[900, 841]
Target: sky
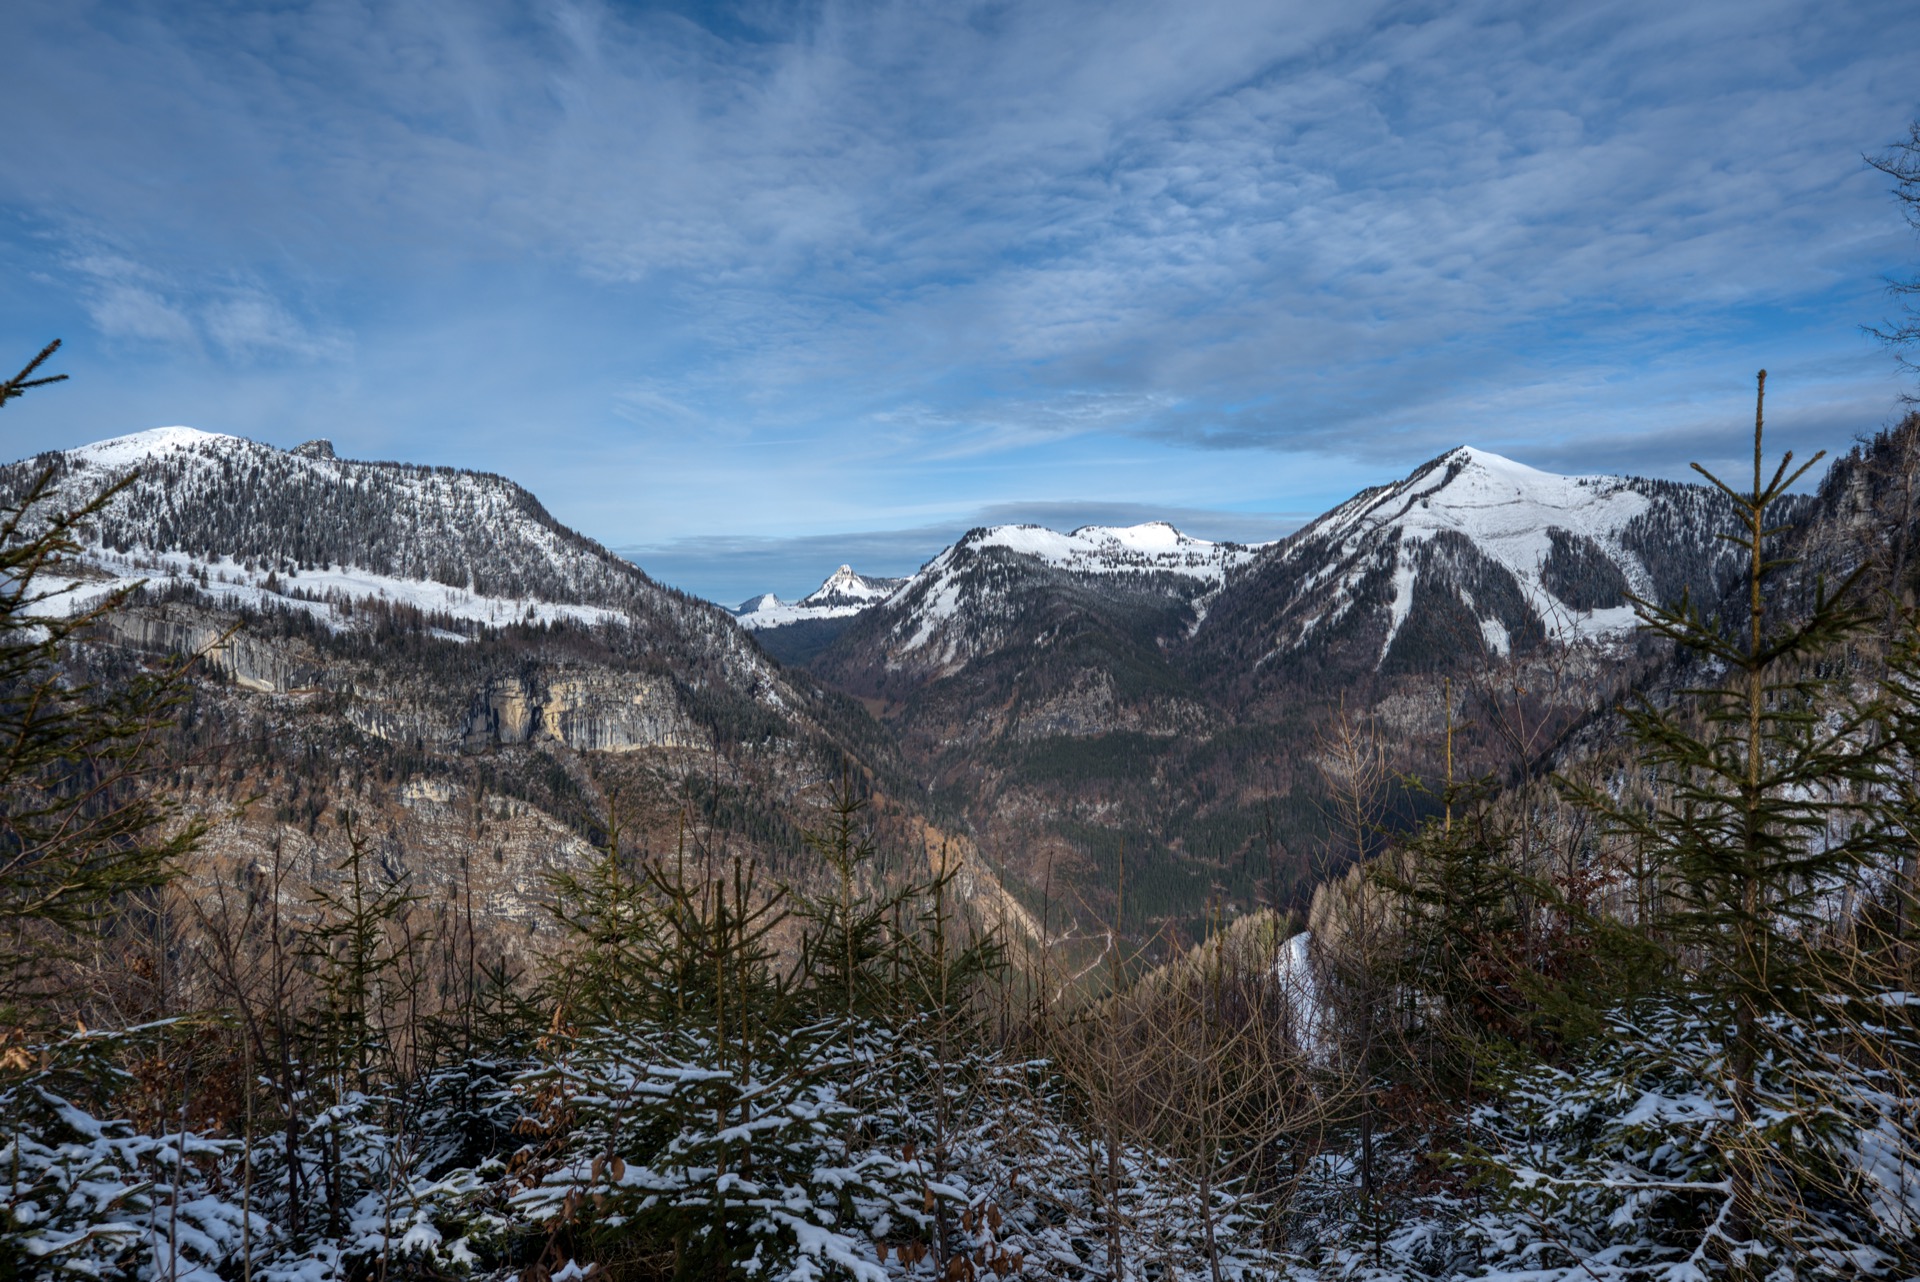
[747, 291]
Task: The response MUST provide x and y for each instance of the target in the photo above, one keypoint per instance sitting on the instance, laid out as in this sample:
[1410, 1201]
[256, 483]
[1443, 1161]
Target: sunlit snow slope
[246, 524]
[1472, 553]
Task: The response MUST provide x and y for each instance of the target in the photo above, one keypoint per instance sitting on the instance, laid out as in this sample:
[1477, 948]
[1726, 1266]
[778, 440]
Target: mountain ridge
[1063, 695]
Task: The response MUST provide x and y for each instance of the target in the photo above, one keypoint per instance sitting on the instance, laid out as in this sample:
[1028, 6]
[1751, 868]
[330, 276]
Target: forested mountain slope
[429, 650]
[1141, 696]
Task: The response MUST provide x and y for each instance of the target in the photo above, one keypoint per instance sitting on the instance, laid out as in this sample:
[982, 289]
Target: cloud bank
[788, 272]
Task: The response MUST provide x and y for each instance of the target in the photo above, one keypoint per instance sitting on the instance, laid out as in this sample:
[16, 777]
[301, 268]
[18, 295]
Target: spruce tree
[1755, 824]
[79, 827]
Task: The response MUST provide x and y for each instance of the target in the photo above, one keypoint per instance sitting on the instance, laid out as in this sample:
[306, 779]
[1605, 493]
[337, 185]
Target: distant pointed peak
[847, 584]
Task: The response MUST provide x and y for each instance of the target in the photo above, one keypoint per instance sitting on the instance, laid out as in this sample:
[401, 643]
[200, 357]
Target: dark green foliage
[1678, 540]
[1756, 813]
[78, 827]
[357, 956]
[1493, 962]
[891, 953]
[801, 642]
[1579, 572]
[737, 1088]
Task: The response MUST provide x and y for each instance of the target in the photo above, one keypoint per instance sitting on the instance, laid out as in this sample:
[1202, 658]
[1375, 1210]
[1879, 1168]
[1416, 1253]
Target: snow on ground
[233, 586]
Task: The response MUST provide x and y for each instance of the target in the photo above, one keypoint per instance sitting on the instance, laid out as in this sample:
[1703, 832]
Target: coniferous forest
[1642, 1003]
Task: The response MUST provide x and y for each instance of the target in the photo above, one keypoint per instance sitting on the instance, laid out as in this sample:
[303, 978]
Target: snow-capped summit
[121, 452]
[1472, 553]
[844, 594]
[1152, 548]
[248, 525]
[1155, 546]
[994, 587]
[845, 587]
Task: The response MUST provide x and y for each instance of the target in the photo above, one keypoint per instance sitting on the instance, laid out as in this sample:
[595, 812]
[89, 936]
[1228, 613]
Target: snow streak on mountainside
[1473, 554]
[249, 525]
[844, 594]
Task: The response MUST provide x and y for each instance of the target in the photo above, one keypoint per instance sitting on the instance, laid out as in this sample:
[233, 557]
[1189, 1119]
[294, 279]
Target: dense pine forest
[1642, 1004]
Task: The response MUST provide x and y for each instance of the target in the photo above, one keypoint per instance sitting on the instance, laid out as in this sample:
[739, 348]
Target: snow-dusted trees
[1746, 1117]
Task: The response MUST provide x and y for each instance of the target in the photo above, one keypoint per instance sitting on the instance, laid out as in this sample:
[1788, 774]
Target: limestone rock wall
[596, 711]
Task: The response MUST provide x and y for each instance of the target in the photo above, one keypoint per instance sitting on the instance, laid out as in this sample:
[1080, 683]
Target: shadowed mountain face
[1067, 706]
[1081, 695]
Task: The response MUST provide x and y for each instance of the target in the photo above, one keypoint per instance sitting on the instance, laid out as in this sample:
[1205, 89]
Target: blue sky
[755, 289]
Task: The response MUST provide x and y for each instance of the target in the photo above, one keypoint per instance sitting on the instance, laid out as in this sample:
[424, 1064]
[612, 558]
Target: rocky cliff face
[250, 662]
[427, 654]
[591, 711]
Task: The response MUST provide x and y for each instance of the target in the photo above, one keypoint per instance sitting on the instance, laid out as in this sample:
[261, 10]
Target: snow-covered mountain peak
[968, 600]
[847, 587]
[1473, 551]
[121, 452]
[1154, 546]
[846, 592]
[1491, 499]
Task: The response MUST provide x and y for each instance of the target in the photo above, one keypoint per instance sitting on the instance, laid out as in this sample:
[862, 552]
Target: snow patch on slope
[328, 594]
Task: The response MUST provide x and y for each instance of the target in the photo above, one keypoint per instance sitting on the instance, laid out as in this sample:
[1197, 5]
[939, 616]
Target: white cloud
[250, 323]
[955, 230]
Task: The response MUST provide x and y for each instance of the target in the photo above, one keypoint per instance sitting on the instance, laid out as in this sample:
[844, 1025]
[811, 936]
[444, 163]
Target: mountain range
[426, 651]
[1065, 710]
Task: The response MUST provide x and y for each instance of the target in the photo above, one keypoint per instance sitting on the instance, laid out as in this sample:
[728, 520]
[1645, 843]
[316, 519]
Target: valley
[1108, 863]
[1045, 642]
[1082, 711]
